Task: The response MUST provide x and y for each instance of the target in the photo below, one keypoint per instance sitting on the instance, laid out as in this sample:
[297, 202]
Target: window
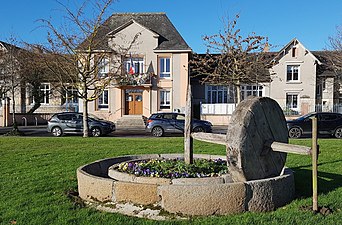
[327, 117]
[165, 96]
[294, 51]
[292, 101]
[70, 96]
[292, 73]
[219, 94]
[134, 65]
[45, 90]
[164, 67]
[103, 100]
[103, 68]
[251, 90]
[180, 117]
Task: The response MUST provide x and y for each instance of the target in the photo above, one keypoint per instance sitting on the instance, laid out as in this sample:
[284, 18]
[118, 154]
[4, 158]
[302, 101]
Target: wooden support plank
[276, 146]
[289, 148]
[314, 165]
[210, 137]
[188, 142]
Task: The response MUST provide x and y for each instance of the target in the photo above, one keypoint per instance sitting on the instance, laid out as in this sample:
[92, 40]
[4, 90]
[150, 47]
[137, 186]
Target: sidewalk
[41, 130]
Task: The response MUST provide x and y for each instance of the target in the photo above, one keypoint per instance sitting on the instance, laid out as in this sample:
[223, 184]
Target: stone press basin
[101, 182]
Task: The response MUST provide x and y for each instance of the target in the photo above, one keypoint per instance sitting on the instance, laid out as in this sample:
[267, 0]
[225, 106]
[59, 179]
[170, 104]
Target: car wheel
[57, 131]
[157, 131]
[338, 132]
[198, 129]
[295, 132]
[96, 132]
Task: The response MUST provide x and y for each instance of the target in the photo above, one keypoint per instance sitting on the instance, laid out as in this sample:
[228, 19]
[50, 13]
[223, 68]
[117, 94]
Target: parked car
[327, 123]
[72, 122]
[159, 124]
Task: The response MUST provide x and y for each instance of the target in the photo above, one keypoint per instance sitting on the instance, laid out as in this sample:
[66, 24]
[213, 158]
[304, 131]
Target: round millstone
[254, 125]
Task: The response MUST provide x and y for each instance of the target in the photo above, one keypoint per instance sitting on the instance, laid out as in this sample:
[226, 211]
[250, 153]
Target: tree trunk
[85, 118]
[14, 121]
[238, 94]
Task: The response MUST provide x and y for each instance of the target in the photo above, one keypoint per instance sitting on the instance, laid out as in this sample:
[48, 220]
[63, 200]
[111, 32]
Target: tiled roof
[9, 47]
[327, 68]
[159, 23]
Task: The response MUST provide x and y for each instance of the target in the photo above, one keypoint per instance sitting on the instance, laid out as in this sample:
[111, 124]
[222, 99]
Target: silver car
[72, 123]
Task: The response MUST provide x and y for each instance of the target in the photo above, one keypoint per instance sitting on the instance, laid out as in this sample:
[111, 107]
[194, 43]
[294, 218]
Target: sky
[312, 22]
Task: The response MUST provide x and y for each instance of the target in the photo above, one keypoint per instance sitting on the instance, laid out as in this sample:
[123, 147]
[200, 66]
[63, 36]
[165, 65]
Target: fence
[35, 119]
[228, 109]
[322, 108]
[217, 109]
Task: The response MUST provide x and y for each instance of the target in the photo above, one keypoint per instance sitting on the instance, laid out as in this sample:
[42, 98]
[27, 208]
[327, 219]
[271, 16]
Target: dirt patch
[323, 210]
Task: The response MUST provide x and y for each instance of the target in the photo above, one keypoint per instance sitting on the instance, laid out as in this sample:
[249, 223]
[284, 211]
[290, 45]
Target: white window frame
[103, 68]
[136, 61]
[251, 90]
[164, 99]
[219, 94]
[103, 100]
[291, 105]
[166, 72]
[46, 89]
[71, 94]
[292, 69]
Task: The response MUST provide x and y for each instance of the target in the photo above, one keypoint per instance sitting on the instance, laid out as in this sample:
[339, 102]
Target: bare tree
[232, 59]
[334, 61]
[76, 53]
[33, 71]
[10, 80]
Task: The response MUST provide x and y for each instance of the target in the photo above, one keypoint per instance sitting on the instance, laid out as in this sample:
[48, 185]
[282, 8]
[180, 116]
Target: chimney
[266, 47]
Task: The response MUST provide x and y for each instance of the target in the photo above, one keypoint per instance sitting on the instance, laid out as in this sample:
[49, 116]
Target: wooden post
[314, 165]
[188, 141]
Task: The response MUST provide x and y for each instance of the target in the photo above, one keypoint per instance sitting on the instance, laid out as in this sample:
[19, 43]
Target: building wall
[144, 47]
[305, 88]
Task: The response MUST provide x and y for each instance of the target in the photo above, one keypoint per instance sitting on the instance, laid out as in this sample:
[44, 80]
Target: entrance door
[134, 104]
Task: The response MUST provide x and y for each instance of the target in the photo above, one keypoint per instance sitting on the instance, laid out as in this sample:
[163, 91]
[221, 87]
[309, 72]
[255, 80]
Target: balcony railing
[218, 109]
[135, 79]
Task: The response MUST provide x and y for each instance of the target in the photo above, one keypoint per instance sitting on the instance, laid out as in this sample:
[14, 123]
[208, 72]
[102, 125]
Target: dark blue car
[327, 124]
[161, 123]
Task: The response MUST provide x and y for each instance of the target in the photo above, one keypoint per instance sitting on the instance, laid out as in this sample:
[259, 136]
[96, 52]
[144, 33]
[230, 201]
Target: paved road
[40, 131]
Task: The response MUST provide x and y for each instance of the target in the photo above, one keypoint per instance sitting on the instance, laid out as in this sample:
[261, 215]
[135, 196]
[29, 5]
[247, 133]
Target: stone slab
[93, 188]
[204, 200]
[137, 193]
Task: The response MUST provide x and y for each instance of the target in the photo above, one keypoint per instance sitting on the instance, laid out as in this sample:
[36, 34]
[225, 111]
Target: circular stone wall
[188, 196]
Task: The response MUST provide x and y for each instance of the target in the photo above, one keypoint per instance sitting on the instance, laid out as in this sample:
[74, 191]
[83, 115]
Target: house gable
[133, 37]
[169, 38]
[293, 51]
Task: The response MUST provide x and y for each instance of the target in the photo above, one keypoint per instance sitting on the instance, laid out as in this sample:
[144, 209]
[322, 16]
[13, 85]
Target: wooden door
[134, 104]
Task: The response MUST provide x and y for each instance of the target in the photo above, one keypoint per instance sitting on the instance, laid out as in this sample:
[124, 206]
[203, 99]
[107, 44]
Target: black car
[327, 124]
[161, 123]
[72, 122]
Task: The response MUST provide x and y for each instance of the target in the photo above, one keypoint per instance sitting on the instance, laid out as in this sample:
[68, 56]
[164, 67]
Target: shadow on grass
[326, 181]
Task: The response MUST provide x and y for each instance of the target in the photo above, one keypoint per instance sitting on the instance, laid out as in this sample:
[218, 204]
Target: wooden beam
[289, 148]
[276, 146]
[210, 137]
[188, 142]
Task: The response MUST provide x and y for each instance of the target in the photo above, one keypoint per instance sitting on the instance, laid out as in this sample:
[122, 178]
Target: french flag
[131, 69]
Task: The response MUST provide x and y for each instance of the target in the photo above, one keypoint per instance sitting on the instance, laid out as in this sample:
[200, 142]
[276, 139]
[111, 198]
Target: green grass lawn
[36, 174]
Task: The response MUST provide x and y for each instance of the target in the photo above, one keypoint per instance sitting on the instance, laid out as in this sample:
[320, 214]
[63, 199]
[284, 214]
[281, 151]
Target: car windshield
[305, 116]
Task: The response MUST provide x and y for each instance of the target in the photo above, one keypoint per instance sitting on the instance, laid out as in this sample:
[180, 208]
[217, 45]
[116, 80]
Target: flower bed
[174, 168]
